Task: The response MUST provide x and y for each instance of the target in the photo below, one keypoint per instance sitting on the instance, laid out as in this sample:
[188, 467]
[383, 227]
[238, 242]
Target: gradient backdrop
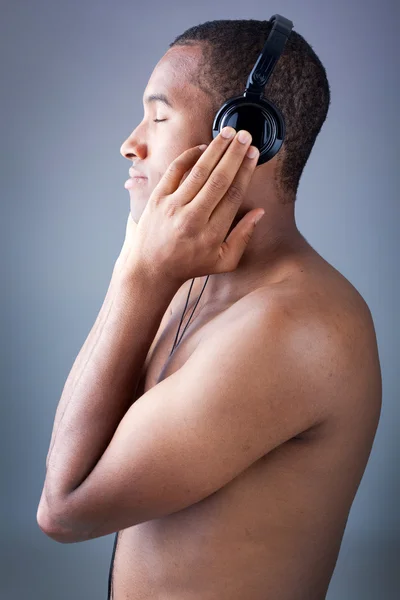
[72, 79]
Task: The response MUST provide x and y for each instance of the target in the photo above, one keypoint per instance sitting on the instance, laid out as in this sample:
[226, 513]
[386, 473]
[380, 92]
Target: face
[153, 145]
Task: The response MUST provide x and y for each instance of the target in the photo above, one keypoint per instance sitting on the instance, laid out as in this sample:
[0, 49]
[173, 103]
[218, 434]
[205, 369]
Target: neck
[271, 254]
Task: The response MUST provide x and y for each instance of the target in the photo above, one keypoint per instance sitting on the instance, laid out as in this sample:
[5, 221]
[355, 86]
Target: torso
[274, 532]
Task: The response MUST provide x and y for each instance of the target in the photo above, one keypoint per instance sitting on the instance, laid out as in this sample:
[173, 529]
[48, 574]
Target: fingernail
[203, 147]
[244, 137]
[228, 132]
[252, 152]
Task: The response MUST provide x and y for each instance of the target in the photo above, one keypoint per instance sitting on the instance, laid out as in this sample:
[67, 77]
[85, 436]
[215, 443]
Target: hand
[181, 233]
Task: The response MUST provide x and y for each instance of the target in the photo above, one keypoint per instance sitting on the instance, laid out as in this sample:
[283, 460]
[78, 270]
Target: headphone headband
[251, 110]
[272, 50]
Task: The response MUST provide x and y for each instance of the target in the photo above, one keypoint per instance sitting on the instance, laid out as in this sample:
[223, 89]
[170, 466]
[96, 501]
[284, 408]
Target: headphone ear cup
[260, 117]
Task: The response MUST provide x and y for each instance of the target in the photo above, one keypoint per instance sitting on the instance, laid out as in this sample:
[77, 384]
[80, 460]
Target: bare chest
[247, 540]
[248, 535]
[164, 357]
[262, 533]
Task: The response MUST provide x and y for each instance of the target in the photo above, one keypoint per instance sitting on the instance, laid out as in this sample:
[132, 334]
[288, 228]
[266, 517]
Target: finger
[169, 182]
[225, 212]
[220, 179]
[202, 170]
[232, 249]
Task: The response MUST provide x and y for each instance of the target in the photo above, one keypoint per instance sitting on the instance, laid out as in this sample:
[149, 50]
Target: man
[229, 465]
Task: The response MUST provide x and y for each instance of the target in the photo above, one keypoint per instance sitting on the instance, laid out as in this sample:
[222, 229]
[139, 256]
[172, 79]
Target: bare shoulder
[325, 300]
[324, 314]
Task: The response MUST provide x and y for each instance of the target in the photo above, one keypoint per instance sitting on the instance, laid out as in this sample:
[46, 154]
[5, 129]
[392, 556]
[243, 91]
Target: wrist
[135, 274]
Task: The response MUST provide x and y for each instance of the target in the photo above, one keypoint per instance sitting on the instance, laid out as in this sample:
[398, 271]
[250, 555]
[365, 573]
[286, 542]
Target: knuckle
[219, 181]
[170, 209]
[179, 226]
[175, 166]
[235, 193]
[199, 173]
[184, 227]
[214, 234]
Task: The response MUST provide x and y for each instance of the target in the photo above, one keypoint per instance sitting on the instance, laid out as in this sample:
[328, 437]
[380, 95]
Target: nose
[133, 147]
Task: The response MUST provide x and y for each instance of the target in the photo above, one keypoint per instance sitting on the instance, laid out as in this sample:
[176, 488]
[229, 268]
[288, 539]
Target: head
[167, 130]
[202, 68]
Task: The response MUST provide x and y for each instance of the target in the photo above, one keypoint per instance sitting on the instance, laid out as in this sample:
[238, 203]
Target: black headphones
[252, 111]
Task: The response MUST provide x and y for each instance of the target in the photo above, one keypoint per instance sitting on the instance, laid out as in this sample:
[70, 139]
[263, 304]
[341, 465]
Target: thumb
[233, 247]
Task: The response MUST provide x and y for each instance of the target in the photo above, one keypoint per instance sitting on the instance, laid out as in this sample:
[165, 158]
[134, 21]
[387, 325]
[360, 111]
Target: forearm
[99, 389]
[86, 349]
[80, 360]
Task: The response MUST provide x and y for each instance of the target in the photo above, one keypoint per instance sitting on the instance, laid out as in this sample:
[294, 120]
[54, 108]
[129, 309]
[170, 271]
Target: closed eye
[159, 120]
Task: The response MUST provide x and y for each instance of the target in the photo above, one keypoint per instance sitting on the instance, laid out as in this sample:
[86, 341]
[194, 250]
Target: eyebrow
[158, 98]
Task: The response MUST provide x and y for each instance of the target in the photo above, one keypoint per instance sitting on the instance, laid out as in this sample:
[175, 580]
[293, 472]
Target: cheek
[182, 135]
[167, 153]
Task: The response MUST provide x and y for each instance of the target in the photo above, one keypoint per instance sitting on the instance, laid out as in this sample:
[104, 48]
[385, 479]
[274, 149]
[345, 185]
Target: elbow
[49, 527]
[52, 527]
[58, 521]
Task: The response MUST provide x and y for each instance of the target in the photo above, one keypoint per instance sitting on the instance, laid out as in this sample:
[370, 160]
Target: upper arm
[244, 391]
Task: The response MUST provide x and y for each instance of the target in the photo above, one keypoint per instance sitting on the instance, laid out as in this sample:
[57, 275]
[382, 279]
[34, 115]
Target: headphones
[252, 111]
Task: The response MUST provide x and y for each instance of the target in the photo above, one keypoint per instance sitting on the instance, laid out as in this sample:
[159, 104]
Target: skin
[153, 146]
[307, 485]
[233, 474]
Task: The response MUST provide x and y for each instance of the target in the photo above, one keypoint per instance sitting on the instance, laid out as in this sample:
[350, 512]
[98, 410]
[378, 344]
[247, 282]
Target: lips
[135, 181]
[133, 173]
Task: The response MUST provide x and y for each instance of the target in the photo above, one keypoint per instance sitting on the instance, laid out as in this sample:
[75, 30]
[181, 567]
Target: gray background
[72, 78]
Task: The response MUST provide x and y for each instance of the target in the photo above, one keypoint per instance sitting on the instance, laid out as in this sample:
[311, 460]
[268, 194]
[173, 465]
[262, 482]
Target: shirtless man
[229, 467]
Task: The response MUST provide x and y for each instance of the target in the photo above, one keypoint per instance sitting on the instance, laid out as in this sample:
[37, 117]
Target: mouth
[136, 180]
[136, 174]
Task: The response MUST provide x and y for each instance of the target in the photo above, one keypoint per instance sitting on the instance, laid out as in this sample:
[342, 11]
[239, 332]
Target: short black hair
[298, 85]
